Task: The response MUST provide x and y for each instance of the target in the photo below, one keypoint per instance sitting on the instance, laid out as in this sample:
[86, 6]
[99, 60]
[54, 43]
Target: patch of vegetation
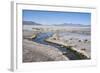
[33, 37]
[70, 38]
[85, 40]
[79, 40]
[83, 49]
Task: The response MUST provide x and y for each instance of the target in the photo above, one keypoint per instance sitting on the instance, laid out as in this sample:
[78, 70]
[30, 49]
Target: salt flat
[77, 37]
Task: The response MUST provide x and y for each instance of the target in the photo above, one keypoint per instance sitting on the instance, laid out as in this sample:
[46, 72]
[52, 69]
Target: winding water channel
[41, 39]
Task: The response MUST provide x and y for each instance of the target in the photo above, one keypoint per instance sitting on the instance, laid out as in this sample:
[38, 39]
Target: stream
[41, 39]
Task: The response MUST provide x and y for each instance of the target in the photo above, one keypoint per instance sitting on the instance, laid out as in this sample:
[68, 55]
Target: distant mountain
[70, 24]
[64, 24]
[30, 23]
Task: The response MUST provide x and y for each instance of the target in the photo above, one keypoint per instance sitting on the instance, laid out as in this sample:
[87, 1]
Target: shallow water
[41, 39]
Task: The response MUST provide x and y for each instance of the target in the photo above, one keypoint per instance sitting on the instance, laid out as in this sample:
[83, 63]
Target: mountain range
[63, 24]
[30, 23]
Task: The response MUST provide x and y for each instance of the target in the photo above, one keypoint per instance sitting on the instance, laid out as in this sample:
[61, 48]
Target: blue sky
[53, 17]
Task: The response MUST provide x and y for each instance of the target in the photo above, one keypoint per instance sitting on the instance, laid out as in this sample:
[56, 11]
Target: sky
[55, 17]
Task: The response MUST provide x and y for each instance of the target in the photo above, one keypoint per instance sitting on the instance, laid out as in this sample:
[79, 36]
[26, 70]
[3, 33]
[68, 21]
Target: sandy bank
[35, 52]
[83, 53]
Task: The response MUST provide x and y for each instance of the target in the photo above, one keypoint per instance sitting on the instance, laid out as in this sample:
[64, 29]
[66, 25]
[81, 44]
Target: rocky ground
[35, 52]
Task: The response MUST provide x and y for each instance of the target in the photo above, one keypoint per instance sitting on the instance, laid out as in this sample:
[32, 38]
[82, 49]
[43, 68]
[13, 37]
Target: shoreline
[82, 53]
